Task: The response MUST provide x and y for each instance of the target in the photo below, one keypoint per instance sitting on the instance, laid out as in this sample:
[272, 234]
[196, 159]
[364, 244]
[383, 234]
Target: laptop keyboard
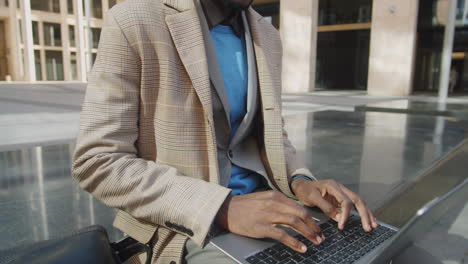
[340, 246]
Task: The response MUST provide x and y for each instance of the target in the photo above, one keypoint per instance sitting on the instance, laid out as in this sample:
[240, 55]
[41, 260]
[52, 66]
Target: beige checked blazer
[147, 143]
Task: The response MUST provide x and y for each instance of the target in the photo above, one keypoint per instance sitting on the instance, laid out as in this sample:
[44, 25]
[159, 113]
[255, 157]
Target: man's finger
[299, 226]
[286, 239]
[345, 202]
[362, 209]
[316, 199]
[373, 219]
[289, 207]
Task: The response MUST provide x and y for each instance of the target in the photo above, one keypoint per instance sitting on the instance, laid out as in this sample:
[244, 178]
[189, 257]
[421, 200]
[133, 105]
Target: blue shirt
[232, 60]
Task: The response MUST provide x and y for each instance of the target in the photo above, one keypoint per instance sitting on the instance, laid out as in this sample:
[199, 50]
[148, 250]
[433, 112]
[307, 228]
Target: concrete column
[446, 62]
[89, 34]
[393, 47]
[80, 42]
[42, 51]
[298, 26]
[30, 73]
[65, 40]
[465, 13]
[15, 62]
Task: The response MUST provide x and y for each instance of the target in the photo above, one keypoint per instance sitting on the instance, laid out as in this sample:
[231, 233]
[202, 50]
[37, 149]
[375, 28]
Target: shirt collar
[217, 13]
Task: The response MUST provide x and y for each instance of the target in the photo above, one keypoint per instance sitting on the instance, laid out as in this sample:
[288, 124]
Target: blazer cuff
[201, 234]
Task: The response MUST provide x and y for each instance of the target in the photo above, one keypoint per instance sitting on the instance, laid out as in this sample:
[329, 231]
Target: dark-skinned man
[181, 131]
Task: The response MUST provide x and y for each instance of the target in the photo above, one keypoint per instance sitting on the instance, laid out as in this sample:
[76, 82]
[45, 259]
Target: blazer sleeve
[106, 161]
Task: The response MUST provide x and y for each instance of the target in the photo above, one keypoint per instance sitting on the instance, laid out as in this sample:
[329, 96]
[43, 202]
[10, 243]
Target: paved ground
[41, 113]
[49, 112]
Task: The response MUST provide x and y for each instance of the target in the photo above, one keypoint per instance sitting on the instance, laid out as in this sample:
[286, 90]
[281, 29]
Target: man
[181, 131]
[453, 79]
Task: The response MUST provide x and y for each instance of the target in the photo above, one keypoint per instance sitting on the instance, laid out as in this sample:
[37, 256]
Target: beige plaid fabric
[147, 143]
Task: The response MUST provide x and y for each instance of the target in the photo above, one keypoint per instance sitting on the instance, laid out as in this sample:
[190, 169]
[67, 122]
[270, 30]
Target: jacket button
[230, 154]
[189, 232]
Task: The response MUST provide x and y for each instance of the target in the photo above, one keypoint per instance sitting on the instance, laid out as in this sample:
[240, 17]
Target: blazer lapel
[186, 33]
[252, 89]
[268, 61]
[213, 67]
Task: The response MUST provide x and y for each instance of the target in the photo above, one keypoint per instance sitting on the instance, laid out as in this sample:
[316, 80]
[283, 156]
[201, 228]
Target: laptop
[351, 245]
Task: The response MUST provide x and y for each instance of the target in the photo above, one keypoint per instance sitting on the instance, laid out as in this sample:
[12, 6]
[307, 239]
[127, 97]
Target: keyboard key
[348, 251]
[315, 258]
[324, 226]
[270, 251]
[279, 247]
[341, 255]
[331, 250]
[281, 256]
[356, 256]
[261, 255]
[327, 243]
[322, 254]
[347, 261]
[252, 260]
[342, 244]
[270, 261]
[320, 247]
[297, 258]
[361, 243]
[336, 259]
[327, 262]
[311, 251]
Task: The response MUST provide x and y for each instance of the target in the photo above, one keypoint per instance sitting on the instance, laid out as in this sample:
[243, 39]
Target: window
[73, 66]
[96, 35]
[94, 57]
[333, 12]
[71, 35]
[20, 28]
[37, 64]
[52, 35]
[96, 8]
[70, 7]
[35, 31]
[4, 3]
[46, 5]
[54, 65]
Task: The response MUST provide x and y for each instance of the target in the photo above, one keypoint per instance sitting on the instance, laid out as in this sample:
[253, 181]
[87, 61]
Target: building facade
[387, 47]
[382, 46]
[54, 35]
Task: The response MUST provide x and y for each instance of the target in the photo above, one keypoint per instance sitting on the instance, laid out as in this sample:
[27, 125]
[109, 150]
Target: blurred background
[379, 46]
[375, 96]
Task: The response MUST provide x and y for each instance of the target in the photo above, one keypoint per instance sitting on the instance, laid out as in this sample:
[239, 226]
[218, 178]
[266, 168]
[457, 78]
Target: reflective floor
[39, 200]
[375, 154]
[372, 152]
[459, 111]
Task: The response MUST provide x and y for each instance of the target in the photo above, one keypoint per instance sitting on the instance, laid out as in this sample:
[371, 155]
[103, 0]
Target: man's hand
[334, 199]
[258, 215]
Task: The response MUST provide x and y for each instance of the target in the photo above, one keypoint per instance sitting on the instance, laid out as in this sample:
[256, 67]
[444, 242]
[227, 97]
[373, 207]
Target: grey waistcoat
[243, 150]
